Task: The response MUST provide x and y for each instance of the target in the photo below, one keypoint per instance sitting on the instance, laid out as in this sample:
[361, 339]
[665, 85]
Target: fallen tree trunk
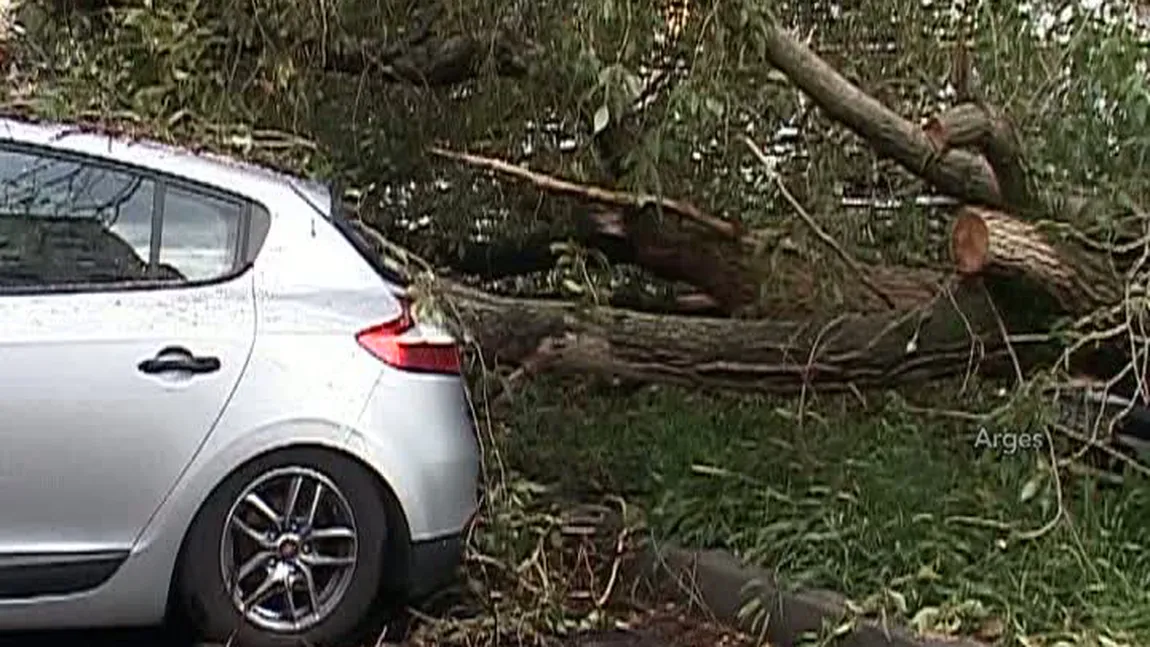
[740, 272]
[1013, 275]
[954, 329]
[948, 336]
[992, 242]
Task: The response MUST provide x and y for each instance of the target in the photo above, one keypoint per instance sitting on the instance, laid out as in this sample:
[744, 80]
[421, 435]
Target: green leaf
[572, 286]
[1030, 489]
[601, 119]
[606, 74]
[844, 628]
[926, 618]
[898, 599]
[607, 11]
[1139, 112]
[714, 106]
[176, 117]
[633, 84]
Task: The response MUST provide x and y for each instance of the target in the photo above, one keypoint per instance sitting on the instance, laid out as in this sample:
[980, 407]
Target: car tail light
[389, 343]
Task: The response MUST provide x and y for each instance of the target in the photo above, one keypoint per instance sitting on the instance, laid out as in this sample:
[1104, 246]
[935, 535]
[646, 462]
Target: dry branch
[827, 239]
[956, 172]
[596, 194]
[425, 51]
[434, 60]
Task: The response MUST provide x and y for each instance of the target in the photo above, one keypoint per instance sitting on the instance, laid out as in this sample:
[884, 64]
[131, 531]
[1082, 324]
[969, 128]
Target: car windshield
[347, 220]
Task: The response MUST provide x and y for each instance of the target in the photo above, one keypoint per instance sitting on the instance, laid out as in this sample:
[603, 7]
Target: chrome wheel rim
[289, 549]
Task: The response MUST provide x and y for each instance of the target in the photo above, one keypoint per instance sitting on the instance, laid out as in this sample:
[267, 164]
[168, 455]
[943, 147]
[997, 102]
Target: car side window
[64, 222]
[69, 223]
[199, 235]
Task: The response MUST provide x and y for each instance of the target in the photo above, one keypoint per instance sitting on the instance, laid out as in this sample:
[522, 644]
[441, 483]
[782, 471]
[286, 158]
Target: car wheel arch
[398, 540]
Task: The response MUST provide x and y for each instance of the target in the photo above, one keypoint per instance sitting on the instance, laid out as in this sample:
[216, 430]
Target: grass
[893, 510]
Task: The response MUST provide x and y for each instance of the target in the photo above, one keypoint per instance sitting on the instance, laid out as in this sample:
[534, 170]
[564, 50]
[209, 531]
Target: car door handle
[177, 358]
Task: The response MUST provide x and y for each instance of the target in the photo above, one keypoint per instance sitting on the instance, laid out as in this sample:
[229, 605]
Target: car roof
[257, 183]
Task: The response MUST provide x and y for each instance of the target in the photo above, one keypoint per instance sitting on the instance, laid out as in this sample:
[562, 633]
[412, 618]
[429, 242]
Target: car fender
[165, 533]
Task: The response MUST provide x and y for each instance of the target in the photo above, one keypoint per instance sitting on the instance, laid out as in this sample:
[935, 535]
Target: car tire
[205, 599]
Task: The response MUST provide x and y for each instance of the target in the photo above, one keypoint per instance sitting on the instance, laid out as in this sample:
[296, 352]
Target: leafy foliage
[253, 78]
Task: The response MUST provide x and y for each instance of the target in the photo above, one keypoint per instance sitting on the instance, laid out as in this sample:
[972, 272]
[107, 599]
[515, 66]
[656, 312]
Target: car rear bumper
[421, 440]
[434, 565]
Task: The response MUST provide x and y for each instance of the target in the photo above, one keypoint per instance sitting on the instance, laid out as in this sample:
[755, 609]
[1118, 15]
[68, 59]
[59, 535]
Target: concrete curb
[718, 584]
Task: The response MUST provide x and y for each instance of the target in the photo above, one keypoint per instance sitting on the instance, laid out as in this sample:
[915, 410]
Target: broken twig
[552, 184]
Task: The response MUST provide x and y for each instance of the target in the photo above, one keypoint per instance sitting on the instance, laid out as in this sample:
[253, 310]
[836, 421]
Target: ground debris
[668, 625]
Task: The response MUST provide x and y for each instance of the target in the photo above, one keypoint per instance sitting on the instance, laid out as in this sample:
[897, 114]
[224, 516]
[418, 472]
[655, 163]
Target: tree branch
[988, 131]
[739, 274]
[956, 172]
[827, 239]
[559, 186]
[433, 60]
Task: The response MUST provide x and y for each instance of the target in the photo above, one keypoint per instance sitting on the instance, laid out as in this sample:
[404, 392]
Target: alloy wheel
[288, 551]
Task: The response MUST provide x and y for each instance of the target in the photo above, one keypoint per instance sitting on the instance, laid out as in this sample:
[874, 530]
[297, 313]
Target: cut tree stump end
[970, 242]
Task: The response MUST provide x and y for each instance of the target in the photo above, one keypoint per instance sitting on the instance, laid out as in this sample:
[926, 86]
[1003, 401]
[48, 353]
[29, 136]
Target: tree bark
[986, 130]
[947, 336]
[741, 272]
[433, 60]
[992, 242]
[955, 172]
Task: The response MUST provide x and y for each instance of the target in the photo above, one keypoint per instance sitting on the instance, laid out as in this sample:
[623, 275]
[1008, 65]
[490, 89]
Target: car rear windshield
[341, 218]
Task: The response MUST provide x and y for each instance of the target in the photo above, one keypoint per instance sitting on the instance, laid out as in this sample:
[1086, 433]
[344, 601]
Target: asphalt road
[668, 626]
[162, 638]
[122, 638]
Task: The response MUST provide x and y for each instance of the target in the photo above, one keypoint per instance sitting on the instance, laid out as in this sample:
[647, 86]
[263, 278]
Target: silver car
[214, 403]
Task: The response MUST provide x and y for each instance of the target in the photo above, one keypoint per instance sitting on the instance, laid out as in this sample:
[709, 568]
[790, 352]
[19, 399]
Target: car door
[125, 324]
